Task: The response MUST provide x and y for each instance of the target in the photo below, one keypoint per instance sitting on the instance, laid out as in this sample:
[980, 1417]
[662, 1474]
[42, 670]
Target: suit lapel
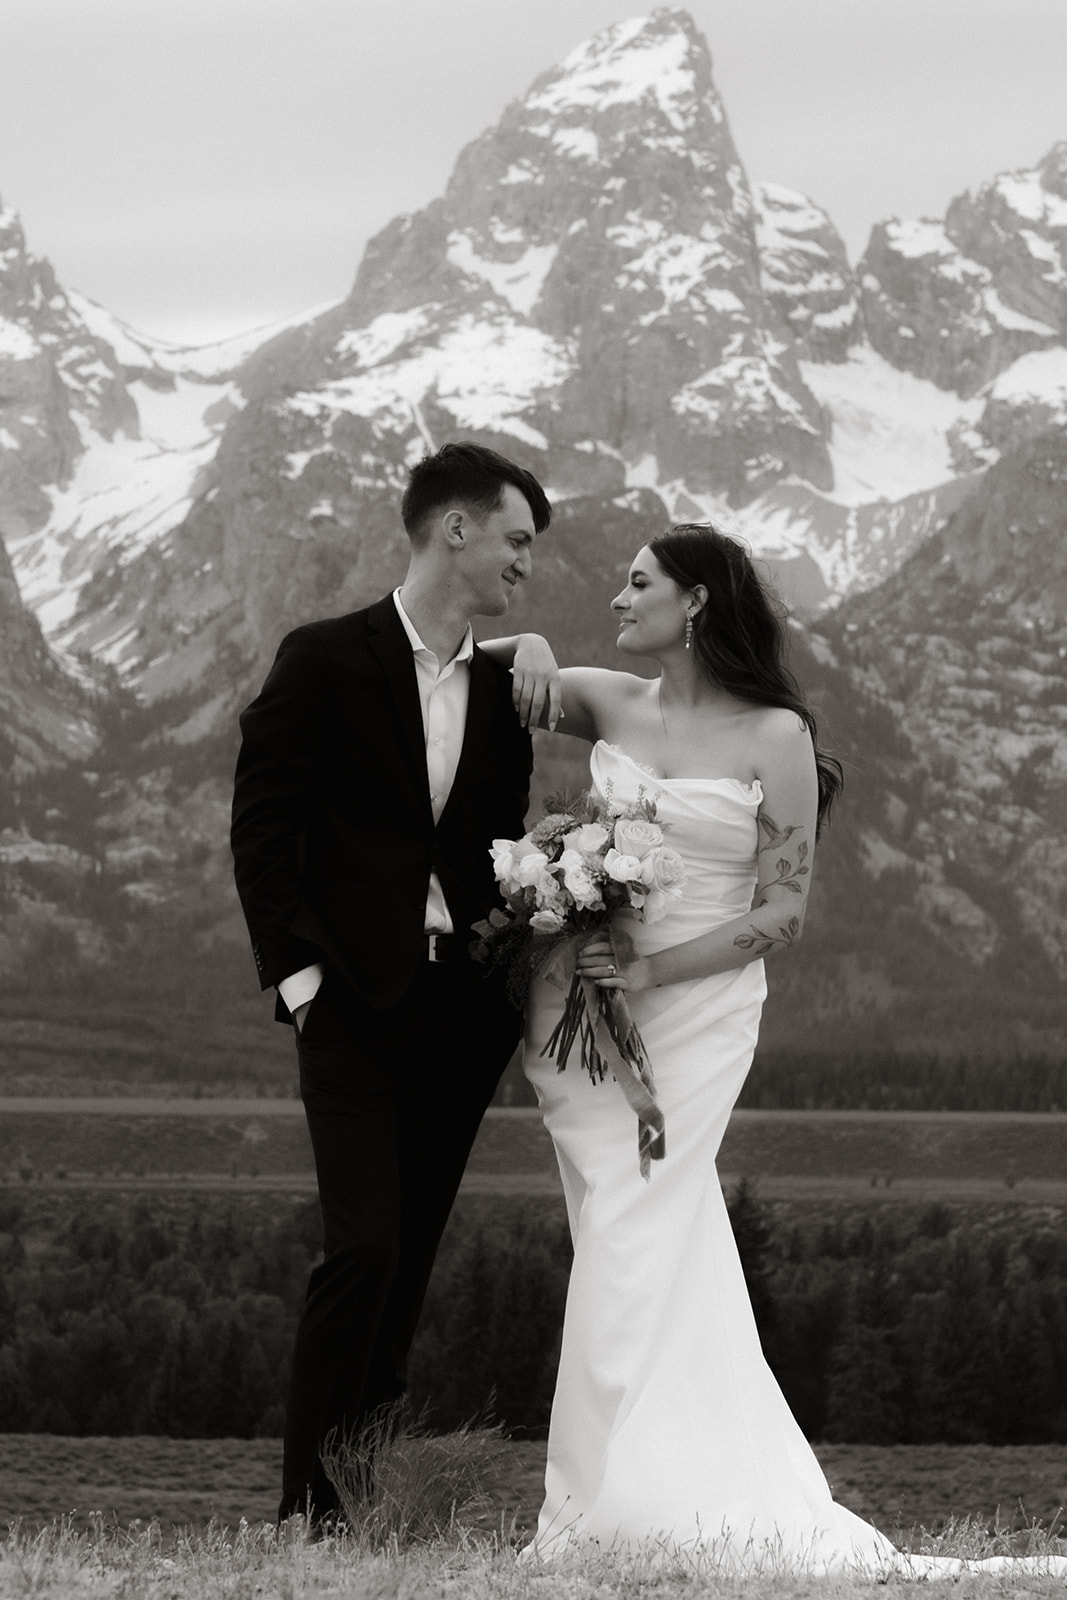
[476, 728]
[392, 649]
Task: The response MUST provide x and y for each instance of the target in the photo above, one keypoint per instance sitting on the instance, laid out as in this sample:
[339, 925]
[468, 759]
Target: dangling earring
[689, 630]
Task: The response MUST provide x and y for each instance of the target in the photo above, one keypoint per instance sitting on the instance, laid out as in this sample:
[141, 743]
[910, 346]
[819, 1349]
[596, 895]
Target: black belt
[446, 947]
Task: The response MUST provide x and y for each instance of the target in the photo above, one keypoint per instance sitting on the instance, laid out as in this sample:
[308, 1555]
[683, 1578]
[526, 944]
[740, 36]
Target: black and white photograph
[533, 799]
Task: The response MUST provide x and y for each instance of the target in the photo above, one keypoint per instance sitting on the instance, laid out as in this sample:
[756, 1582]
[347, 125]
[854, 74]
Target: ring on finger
[611, 972]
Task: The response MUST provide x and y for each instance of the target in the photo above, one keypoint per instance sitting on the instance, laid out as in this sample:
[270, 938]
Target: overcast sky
[204, 166]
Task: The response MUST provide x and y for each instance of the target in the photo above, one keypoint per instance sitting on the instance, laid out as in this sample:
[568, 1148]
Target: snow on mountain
[123, 495]
[805, 273]
[1026, 398]
[135, 351]
[600, 291]
[104, 436]
[889, 430]
[961, 300]
[609, 210]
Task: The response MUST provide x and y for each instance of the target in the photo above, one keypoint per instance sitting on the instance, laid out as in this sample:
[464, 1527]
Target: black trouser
[393, 1101]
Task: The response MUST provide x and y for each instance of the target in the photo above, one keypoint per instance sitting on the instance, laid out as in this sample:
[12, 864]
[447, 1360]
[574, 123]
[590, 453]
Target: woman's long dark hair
[739, 633]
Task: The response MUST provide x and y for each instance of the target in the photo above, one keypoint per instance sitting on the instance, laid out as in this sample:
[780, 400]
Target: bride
[668, 1428]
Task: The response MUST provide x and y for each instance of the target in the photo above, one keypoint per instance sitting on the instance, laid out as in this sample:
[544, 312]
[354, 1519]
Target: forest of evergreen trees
[884, 1326]
[892, 1080]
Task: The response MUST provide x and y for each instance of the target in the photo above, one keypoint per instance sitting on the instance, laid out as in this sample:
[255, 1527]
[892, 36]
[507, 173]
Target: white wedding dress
[668, 1428]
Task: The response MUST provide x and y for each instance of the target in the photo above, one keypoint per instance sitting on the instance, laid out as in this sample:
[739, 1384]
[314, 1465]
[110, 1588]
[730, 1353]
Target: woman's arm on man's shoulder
[572, 700]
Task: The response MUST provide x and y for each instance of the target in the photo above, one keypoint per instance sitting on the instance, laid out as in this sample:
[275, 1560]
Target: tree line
[883, 1326]
[891, 1080]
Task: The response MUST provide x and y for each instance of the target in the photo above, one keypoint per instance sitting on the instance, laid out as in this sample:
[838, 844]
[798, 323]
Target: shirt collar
[464, 653]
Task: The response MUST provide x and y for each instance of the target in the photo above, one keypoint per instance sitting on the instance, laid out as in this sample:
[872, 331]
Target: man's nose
[523, 563]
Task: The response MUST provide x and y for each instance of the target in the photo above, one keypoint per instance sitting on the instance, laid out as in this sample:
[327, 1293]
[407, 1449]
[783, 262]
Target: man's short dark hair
[473, 475]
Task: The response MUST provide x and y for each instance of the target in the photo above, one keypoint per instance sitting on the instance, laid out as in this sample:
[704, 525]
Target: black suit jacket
[333, 834]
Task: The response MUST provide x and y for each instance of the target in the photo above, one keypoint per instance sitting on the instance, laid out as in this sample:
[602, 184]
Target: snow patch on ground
[486, 374]
[581, 143]
[920, 237]
[786, 219]
[1008, 318]
[380, 339]
[889, 429]
[518, 282]
[1040, 377]
[124, 494]
[15, 343]
[1027, 196]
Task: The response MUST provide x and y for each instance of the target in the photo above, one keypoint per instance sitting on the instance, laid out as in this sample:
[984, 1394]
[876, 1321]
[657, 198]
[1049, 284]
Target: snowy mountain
[600, 289]
[603, 293]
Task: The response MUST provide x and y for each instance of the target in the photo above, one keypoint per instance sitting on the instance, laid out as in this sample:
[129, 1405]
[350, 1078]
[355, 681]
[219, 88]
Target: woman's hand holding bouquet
[563, 883]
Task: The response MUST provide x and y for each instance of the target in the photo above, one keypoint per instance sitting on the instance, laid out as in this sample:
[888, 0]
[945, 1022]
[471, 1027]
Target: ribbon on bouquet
[633, 1073]
[609, 1039]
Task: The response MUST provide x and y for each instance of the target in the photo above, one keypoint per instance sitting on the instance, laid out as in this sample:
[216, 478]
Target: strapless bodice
[711, 822]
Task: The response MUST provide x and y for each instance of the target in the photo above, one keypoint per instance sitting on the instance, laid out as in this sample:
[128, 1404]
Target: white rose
[548, 892]
[579, 881]
[503, 854]
[655, 905]
[634, 836]
[591, 836]
[548, 920]
[663, 870]
[624, 869]
[530, 869]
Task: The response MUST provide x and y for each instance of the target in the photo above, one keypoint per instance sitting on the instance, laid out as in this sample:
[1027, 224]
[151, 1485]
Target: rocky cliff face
[45, 717]
[967, 646]
[805, 274]
[959, 301]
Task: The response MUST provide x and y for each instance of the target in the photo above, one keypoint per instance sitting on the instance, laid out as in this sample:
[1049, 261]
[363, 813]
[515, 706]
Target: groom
[381, 757]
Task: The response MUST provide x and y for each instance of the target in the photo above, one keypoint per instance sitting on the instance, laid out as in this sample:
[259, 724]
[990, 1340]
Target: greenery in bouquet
[585, 869]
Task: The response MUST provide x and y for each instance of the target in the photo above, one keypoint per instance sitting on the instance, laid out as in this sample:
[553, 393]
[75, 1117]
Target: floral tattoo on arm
[787, 876]
[762, 941]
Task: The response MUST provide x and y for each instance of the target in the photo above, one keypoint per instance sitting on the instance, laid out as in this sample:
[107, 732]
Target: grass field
[899, 1155]
[53, 1156]
[189, 1482]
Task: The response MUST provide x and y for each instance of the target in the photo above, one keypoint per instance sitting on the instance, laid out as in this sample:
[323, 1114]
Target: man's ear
[453, 525]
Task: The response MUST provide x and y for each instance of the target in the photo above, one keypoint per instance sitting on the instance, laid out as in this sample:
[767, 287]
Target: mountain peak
[657, 60]
[1052, 169]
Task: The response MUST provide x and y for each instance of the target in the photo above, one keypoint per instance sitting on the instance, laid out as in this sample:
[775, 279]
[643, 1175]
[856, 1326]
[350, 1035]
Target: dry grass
[399, 1484]
[261, 1564]
[408, 1537]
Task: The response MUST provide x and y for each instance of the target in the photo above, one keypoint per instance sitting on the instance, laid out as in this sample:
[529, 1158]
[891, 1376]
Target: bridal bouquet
[563, 882]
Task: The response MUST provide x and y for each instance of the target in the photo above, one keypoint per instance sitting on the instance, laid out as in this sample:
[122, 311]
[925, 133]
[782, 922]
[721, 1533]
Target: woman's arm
[785, 766]
[573, 700]
[535, 677]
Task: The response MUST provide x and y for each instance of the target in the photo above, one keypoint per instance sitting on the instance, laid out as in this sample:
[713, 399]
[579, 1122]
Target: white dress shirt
[443, 696]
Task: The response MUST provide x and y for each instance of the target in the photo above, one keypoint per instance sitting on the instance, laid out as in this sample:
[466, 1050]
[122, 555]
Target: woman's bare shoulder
[594, 697]
[780, 740]
[777, 724]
